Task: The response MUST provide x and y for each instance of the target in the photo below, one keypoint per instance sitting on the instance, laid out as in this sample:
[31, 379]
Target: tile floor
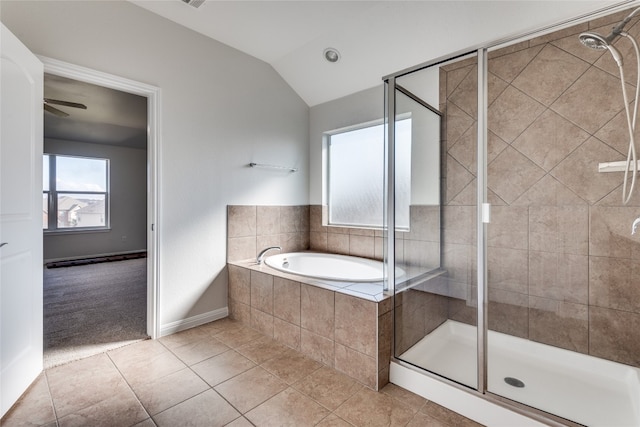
[221, 373]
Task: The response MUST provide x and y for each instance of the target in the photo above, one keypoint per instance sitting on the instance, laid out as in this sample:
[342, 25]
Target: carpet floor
[90, 309]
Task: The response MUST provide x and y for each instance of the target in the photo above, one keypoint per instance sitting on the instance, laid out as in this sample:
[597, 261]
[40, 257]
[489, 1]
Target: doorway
[152, 94]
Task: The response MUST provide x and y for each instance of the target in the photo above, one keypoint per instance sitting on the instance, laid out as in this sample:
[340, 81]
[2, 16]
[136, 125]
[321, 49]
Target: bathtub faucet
[260, 256]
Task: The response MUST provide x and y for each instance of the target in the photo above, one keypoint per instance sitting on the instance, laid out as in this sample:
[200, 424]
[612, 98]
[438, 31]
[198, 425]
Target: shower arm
[617, 30]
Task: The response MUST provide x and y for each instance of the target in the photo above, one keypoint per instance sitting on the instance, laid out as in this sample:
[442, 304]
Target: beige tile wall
[351, 334]
[253, 228]
[417, 313]
[366, 243]
[419, 247]
[563, 267]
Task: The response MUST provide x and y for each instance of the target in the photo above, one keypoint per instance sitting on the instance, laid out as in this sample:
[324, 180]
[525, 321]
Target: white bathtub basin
[329, 266]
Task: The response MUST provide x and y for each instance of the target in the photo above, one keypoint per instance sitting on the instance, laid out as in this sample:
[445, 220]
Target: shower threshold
[575, 386]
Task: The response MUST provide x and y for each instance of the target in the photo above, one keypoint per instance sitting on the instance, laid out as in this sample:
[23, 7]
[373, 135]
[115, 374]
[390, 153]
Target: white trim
[464, 403]
[193, 321]
[154, 123]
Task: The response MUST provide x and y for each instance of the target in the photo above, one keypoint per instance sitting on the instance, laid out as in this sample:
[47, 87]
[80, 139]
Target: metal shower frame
[483, 208]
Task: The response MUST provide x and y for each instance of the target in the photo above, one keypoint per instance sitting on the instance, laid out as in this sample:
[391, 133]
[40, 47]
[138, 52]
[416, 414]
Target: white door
[21, 117]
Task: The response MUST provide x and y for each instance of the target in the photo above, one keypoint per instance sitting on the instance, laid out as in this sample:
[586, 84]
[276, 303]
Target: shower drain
[514, 382]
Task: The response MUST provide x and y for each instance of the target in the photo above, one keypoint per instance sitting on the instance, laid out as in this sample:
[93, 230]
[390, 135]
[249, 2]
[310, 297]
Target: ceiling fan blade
[55, 111]
[64, 103]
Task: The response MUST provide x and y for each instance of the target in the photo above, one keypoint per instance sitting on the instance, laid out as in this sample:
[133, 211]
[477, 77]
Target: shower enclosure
[522, 276]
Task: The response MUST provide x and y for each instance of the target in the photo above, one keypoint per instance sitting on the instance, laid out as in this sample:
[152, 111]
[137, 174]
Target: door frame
[154, 121]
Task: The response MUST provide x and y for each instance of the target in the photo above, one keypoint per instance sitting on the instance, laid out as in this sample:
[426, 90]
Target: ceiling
[374, 38]
[112, 117]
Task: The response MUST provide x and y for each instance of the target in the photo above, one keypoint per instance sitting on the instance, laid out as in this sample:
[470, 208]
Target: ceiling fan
[57, 112]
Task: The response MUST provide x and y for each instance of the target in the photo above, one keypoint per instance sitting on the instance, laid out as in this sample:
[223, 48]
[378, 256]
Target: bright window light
[355, 173]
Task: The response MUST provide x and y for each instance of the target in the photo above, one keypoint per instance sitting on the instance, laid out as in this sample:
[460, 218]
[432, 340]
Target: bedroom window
[355, 175]
[76, 191]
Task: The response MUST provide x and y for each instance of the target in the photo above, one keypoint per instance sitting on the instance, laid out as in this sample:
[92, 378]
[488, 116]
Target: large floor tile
[372, 409]
[34, 407]
[165, 392]
[328, 387]
[145, 361]
[291, 366]
[423, 420]
[289, 408]
[198, 351]
[262, 349]
[206, 409]
[147, 385]
[447, 416]
[222, 367]
[333, 421]
[79, 385]
[235, 337]
[120, 409]
[189, 336]
[405, 396]
[251, 388]
[240, 422]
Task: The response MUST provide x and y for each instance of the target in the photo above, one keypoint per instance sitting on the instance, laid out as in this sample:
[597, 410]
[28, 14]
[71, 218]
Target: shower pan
[524, 301]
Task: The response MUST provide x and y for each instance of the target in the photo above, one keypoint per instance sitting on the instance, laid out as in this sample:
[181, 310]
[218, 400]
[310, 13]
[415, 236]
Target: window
[76, 190]
[355, 175]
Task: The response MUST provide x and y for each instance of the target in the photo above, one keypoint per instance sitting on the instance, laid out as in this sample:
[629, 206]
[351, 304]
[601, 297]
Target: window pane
[45, 172]
[356, 167]
[45, 211]
[81, 210]
[403, 172]
[80, 174]
[356, 176]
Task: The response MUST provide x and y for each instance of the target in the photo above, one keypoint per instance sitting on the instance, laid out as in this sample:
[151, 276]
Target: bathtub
[329, 266]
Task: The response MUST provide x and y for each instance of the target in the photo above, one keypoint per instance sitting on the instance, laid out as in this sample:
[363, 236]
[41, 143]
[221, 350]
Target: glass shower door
[434, 240]
[562, 264]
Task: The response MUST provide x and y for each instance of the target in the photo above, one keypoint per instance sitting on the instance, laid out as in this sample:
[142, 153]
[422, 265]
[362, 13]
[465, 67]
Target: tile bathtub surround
[255, 381]
[337, 327]
[422, 238]
[253, 228]
[250, 229]
[562, 263]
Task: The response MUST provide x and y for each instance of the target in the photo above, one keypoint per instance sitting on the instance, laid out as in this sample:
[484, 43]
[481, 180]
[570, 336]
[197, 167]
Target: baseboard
[191, 322]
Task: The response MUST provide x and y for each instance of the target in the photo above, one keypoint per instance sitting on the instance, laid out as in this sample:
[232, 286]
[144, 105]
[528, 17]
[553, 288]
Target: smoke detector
[194, 3]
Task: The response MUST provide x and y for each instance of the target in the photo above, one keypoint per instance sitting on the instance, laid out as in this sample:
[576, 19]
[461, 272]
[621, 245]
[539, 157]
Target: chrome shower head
[593, 41]
[598, 42]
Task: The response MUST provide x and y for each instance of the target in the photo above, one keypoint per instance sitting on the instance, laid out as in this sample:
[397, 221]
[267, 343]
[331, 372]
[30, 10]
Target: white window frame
[327, 168]
[53, 193]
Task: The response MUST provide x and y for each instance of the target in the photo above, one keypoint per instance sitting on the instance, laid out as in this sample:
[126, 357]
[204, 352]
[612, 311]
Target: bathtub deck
[578, 387]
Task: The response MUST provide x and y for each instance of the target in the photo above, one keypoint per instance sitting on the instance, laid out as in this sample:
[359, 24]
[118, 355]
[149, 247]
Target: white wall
[128, 203]
[361, 107]
[425, 139]
[221, 109]
[366, 106]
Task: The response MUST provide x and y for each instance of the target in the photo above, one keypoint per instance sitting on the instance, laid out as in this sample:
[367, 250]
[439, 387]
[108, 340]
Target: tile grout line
[129, 386]
[53, 406]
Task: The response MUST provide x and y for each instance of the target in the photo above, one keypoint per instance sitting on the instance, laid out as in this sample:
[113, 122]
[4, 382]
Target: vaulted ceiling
[374, 38]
